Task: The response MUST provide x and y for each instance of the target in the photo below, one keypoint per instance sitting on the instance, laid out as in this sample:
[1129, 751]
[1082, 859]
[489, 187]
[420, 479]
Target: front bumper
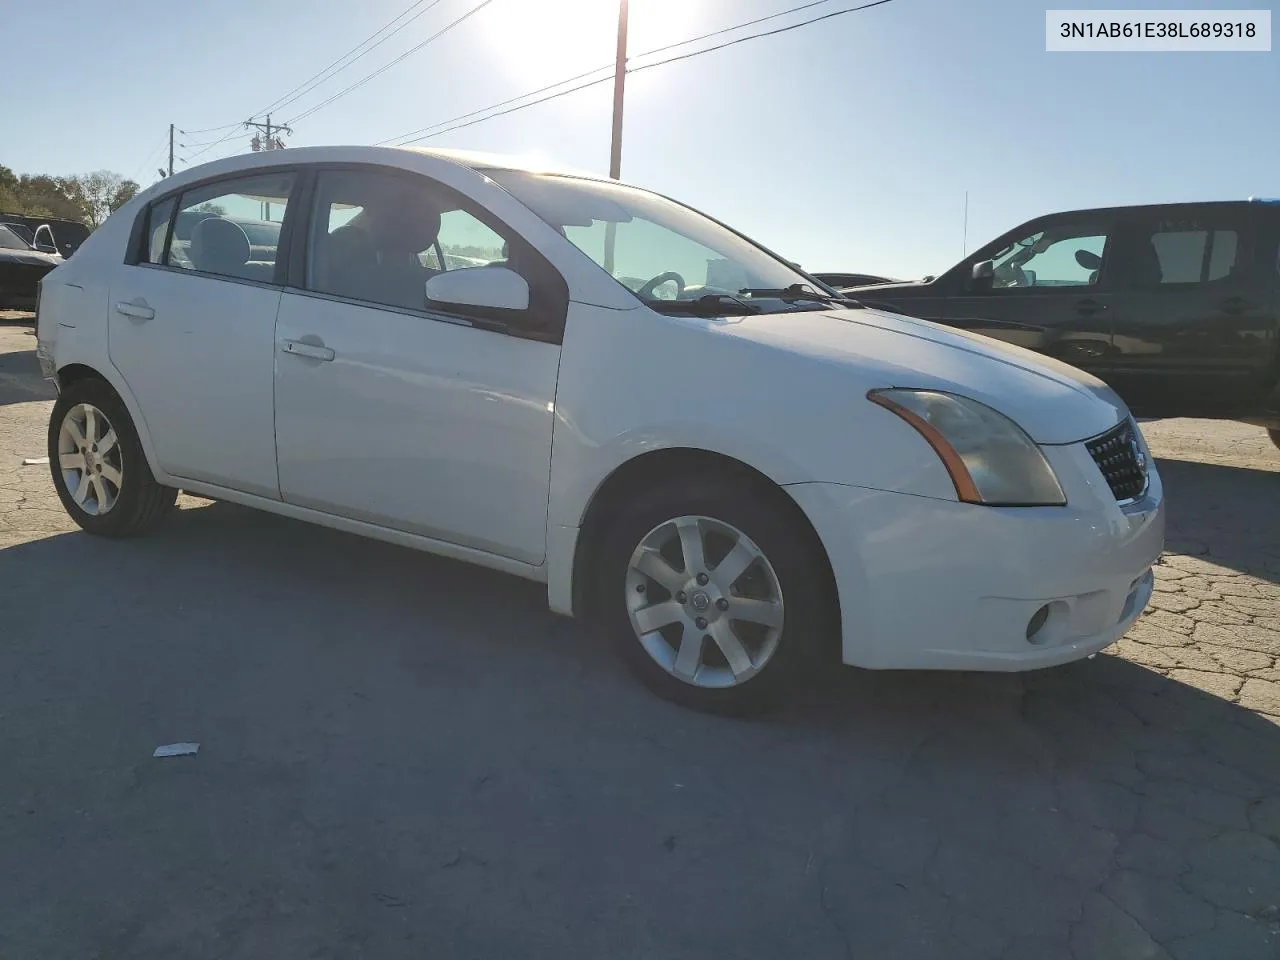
[937, 584]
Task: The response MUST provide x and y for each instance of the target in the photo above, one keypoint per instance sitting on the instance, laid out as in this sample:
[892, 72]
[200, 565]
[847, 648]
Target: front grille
[1120, 458]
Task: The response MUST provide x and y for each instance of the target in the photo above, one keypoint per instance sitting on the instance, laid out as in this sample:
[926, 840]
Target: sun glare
[543, 40]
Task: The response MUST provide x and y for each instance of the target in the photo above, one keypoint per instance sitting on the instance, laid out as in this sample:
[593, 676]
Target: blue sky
[845, 146]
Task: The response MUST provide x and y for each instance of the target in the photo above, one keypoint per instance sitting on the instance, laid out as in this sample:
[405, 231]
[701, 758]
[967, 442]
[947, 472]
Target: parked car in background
[1176, 306]
[50, 234]
[732, 474]
[840, 280]
[22, 267]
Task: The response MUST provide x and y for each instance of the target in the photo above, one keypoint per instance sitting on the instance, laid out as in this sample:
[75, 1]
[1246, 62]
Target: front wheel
[98, 467]
[714, 596]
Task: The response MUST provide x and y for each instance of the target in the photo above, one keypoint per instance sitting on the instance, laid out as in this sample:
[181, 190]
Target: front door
[1193, 317]
[1049, 293]
[399, 414]
[192, 330]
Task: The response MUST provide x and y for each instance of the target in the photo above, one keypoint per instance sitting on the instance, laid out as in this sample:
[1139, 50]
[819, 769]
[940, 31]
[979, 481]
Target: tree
[102, 193]
[89, 198]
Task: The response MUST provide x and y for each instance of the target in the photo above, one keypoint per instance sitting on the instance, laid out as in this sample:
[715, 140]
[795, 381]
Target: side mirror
[494, 288]
[983, 276]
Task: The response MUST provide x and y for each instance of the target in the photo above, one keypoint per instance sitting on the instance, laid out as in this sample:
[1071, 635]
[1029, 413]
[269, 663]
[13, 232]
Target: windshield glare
[658, 249]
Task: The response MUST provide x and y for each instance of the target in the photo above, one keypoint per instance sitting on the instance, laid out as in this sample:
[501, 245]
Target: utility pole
[619, 92]
[170, 150]
[270, 138]
[615, 149]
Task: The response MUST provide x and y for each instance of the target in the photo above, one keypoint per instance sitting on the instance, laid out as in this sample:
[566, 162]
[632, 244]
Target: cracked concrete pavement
[402, 756]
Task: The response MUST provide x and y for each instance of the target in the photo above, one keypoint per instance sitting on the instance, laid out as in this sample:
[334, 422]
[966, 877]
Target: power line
[405, 138]
[385, 67]
[192, 133]
[307, 85]
[328, 72]
[494, 106]
[609, 66]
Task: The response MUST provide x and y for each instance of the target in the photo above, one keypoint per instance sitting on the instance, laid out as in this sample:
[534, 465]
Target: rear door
[1194, 325]
[192, 331]
[1050, 291]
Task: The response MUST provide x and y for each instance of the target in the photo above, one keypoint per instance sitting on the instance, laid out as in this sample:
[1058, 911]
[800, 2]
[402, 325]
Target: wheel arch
[75, 371]
[667, 465]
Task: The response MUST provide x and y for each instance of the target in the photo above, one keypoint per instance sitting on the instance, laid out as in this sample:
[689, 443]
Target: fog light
[1036, 624]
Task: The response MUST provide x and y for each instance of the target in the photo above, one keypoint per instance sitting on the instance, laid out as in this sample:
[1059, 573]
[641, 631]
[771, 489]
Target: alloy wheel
[89, 459]
[704, 601]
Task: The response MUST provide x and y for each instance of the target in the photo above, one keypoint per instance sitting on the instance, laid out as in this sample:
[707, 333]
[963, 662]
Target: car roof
[1156, 207]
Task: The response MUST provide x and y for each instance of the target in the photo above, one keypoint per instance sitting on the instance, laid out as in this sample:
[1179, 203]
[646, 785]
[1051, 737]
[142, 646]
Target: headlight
[990, 458]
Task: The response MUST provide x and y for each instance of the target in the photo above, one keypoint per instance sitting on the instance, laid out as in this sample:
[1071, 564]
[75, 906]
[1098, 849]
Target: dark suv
[1177, 306]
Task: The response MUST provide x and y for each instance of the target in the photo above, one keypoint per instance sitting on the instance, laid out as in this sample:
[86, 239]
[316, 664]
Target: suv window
[232, 228]
[1061, 255]
[1188, 251]
[380, 237]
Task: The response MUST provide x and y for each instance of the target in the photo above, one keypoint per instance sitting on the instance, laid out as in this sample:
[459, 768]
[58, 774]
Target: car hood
[1053, 402]
[30, 257]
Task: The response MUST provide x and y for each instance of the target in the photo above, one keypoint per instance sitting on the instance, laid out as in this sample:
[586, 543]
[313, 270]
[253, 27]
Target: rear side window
[1181, 251]
[158, 217]
[232, 228]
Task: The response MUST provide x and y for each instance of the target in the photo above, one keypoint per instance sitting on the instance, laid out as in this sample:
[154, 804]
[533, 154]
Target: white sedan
[733, 471]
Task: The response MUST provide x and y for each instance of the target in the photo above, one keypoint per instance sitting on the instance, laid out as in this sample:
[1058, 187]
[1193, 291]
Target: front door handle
[312, 351]
[1090, 307]
[136, 309]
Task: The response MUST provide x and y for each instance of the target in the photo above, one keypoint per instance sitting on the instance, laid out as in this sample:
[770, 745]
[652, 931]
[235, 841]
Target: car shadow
[20, 380]
[1236, 503]
[376, 719]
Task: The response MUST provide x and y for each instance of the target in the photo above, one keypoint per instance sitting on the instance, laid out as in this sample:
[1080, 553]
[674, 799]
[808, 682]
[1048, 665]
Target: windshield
[9, 240]
[665, 253]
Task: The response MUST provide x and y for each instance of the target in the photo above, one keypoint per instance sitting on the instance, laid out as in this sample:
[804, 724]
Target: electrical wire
[150, 159]
[319, 77]
[494, 106]
[328, 72]
[406, 139]
[387, 66]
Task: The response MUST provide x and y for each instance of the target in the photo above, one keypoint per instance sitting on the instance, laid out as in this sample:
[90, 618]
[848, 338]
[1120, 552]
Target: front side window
[232, 228]
[380, 237]
[1063, 255]
[668, 255]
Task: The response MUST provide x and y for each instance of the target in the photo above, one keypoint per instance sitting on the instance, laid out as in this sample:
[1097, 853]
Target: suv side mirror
[983, 276]
[494, 288]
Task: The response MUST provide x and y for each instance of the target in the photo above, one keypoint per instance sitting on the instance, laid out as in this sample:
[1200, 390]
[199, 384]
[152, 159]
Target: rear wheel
[713, 597]
[98, 467]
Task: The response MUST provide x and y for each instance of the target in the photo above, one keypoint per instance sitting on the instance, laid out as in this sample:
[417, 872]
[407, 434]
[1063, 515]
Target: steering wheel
[647, 292]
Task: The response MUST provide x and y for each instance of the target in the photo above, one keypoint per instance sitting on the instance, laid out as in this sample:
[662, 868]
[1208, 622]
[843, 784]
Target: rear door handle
[312, 351]
[137, 309]
[1088, 307]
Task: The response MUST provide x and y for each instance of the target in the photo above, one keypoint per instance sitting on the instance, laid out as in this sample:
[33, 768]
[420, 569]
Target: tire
[138, 503]
[1274, 434]
[778, 656]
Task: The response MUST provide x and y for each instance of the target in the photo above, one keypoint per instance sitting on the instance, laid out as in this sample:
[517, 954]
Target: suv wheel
[98, 467]
[712, 598]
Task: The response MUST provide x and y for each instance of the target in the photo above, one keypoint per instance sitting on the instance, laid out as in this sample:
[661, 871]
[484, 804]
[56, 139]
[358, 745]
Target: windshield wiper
[800, 291]
[708, 305]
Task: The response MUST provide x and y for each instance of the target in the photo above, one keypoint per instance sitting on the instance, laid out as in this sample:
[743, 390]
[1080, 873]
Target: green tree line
[89, 197]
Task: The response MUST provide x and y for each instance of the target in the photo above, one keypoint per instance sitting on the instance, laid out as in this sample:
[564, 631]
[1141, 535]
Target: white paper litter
[176, 749]
[32, 461]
